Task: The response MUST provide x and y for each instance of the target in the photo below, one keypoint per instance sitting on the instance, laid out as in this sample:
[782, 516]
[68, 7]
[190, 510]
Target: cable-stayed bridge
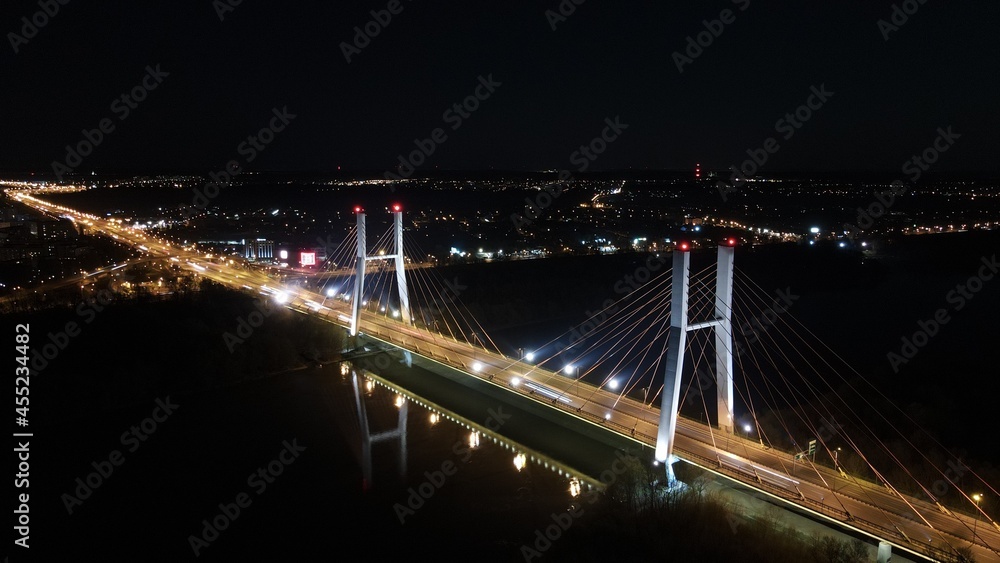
[699, 364]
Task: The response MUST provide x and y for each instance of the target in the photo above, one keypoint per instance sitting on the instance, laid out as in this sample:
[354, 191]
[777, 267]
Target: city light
[574, 487]
[520, 460]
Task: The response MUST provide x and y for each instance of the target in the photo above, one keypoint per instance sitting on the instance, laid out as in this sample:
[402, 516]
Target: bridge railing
[878, 530]
[715, 465]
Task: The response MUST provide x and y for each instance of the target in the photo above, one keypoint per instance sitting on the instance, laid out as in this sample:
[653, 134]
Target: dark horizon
[546, 85]
[349, 173]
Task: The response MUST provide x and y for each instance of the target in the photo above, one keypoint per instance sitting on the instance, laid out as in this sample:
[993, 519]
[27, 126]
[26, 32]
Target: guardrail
[749, 479]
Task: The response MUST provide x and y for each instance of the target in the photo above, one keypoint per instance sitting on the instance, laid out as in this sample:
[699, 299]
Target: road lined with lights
[873, 509]
[824, 491]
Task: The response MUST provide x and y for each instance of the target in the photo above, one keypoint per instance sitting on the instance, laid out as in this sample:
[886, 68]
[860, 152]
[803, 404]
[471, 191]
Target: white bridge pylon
[677, 340]
[362, 258]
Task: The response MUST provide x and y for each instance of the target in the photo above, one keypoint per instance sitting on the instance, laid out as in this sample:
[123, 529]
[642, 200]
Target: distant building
[258, 250]
[60, 229]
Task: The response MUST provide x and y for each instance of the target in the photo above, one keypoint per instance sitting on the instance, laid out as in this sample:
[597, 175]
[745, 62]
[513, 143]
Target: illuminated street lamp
[519, 461]
[976, 497]
[574, 487]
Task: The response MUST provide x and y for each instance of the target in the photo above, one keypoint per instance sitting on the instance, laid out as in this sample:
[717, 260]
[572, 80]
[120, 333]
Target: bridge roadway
[874, 510]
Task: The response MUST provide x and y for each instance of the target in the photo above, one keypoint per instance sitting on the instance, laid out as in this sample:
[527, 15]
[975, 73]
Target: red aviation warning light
[358, 209]
[684, 246]
[697, 170]
[396, 208]
[730, 241]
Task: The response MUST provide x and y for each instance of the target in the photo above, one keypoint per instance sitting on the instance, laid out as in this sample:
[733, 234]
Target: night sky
[605, 59]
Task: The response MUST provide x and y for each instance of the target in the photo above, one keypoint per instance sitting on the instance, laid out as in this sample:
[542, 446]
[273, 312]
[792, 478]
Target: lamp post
[976, 497]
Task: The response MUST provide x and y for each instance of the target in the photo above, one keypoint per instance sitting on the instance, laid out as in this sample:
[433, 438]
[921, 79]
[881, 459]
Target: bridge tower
[362, 258]
[677, 340]
[397, 434]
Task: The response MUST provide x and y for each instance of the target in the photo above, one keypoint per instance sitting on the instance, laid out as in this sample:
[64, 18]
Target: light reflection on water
[437, 440]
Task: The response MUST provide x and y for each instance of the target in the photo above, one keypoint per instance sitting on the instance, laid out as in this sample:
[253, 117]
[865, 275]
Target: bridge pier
[884, 552]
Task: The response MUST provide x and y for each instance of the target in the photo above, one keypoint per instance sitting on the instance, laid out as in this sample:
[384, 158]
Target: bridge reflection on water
[387, 414]
[446, 461]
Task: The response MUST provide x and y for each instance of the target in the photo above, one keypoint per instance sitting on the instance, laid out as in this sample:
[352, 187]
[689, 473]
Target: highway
[908, 523]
